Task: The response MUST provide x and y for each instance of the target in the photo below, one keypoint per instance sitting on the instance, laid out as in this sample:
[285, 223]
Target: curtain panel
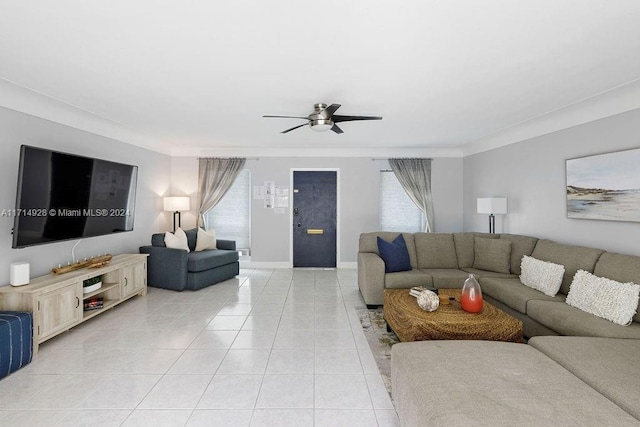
[415, 177]
[215, 177]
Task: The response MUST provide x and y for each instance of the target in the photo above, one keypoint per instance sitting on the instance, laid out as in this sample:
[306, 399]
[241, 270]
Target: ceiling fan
[323, 118]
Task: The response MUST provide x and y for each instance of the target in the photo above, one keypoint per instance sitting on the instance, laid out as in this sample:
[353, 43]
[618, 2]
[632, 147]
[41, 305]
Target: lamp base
[492, 224]
[176, 213]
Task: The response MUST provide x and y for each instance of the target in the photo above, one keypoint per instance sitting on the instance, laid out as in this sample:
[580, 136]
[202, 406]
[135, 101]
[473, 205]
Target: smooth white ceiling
[195, 77]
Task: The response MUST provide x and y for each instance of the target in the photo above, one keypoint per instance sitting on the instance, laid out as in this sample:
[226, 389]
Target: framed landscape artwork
[604, 186]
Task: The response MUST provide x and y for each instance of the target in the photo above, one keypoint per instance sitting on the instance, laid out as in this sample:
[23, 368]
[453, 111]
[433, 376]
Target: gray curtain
[215, 177]
[415, 177]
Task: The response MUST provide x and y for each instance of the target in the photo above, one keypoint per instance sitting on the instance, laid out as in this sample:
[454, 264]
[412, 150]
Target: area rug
[380, 341]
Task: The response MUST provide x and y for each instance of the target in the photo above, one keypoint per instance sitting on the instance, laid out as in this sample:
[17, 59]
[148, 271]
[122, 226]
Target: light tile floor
[272, 347]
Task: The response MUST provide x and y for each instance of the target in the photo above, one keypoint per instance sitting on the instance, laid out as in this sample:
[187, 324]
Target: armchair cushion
[211, 258]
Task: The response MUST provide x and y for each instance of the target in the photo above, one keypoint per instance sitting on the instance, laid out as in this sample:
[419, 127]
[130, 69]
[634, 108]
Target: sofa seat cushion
[451, 278]
[609, 365]
[573, 258]
[212, 258]
[485, 383]
[406, 279]
[513, 293]
[567, 320]
[486, 273]
[435, 250]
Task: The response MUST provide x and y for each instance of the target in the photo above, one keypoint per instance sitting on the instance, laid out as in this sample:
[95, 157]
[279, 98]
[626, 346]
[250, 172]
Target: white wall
[359, 200]
[153, 181]
[531, 174]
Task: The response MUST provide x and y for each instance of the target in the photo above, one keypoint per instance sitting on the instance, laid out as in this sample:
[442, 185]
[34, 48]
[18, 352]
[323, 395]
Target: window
[397, 211]
[231, 217]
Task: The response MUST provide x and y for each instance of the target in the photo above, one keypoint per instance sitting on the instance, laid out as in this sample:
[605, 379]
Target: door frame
[337, 171]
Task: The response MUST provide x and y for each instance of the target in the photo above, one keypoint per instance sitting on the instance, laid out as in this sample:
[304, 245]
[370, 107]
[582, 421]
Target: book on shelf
[93, 303]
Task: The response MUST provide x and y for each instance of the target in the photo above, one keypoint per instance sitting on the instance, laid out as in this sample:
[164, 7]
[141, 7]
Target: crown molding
[614, 101]
[27, 101]
[383, 152]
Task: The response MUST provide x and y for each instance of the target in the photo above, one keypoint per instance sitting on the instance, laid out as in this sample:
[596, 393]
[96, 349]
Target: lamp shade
[176, 204]
[492, 205]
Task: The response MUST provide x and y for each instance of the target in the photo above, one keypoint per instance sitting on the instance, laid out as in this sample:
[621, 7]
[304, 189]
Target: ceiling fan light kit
[320, 125]
[323, 118]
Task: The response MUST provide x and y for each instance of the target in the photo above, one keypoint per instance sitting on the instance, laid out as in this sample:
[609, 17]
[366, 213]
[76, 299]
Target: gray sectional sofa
[444, 260]
[577, 369]
[178, 270]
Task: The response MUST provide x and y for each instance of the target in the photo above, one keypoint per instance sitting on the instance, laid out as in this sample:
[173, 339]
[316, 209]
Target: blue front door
[314, 218]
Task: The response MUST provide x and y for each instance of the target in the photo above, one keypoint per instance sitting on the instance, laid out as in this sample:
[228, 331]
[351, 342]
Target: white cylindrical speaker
[19, 273]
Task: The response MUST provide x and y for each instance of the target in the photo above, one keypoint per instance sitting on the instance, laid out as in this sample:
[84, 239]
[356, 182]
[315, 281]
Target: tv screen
[62, 196]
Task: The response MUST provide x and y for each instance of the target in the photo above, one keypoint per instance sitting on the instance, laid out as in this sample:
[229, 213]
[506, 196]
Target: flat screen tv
[63, 196]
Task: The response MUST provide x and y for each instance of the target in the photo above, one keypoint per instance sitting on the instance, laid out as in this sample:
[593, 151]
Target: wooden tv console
[56, 301]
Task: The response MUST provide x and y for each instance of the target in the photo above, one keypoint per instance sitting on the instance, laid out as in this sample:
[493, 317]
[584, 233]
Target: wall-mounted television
[64, 196]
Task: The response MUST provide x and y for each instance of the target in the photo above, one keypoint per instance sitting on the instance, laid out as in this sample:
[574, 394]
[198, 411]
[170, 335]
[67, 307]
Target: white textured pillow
[177, 240]
[205, 240]
[603, 297]
[543, 276]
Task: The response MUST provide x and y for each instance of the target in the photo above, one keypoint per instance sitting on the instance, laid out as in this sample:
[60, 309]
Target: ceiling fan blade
[337, 119]
[331, 109]
[336, 129]
[294, 128]
[287, 117]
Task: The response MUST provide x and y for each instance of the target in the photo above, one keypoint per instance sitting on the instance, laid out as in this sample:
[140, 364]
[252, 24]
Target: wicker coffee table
[448, 322]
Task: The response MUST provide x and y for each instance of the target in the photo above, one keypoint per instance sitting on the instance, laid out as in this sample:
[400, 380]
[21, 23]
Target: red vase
[471, 296]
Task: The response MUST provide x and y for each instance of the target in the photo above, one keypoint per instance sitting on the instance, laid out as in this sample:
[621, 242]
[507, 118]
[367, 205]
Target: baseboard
[277, 264]
[267, 264]
[351, 265]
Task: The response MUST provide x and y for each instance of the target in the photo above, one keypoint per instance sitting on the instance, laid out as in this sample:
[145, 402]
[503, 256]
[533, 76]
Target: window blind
[397, 211]
[231, 217]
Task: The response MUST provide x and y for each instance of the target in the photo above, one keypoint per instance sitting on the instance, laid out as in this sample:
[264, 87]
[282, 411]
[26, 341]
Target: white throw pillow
[177, 240]
[205, 240]
[606, 298]
[543, 276]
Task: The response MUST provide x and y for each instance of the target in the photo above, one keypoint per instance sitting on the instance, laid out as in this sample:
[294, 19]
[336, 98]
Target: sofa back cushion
[369, 243]
[192, 237]
[520, 246]
[621, 268]
[157, 239]
[465, 244]
[435, 250]
[573, 258]
[492, 255]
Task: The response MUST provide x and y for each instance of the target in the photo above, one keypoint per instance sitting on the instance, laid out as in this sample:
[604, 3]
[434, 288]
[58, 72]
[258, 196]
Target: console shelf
[56, 301]
[105, 287]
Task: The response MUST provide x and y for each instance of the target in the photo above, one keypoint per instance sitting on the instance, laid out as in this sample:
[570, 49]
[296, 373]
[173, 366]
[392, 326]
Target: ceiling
[195, 77]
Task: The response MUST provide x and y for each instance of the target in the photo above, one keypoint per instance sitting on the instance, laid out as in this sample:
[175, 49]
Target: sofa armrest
[226, 244]
[371, 277]
[166, 267]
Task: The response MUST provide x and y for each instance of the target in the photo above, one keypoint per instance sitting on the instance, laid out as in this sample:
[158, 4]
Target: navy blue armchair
[178, 270]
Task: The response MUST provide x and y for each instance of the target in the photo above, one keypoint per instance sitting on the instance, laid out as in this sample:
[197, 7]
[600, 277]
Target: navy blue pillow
[394, 254]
